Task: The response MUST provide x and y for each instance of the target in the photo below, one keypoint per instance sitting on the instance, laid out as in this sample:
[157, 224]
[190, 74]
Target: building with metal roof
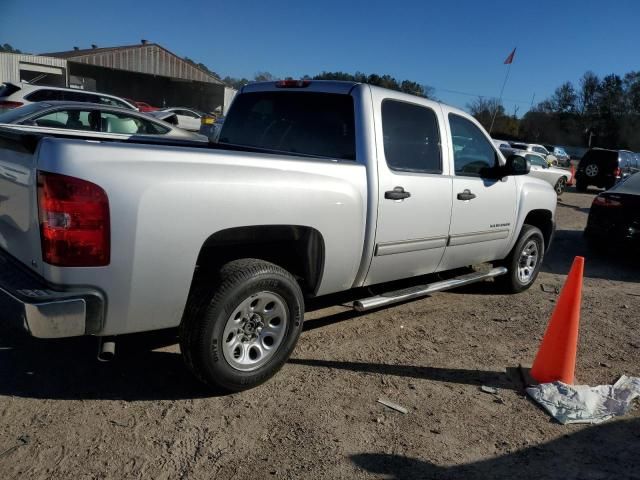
[145, 57]
[144, 72]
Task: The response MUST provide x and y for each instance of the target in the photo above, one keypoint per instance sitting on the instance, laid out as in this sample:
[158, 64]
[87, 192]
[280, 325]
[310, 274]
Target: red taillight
[9, 104]
[293, 83]
[606, 202]
[74, 221]
[618, 172]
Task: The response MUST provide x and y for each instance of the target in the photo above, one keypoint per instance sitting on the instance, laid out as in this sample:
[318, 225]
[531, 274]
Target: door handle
[397, 193]
[466, 195]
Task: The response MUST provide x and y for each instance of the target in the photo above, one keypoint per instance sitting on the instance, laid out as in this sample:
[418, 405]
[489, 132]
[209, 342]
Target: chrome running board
[397, 296]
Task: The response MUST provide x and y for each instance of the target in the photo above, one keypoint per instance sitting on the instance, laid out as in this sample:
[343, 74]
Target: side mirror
[31, 123]
[516, 165]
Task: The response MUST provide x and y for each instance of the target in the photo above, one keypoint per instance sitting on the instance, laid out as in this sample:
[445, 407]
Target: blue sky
[452, 45]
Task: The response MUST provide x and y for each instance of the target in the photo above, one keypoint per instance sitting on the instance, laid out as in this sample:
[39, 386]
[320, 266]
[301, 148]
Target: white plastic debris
[585, 404]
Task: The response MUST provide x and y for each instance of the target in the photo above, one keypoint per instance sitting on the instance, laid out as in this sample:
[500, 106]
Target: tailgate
[19, 230]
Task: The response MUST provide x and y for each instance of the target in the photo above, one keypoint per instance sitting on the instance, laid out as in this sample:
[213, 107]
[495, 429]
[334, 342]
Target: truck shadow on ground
[436, 374]
[611, 450]
[68, 369]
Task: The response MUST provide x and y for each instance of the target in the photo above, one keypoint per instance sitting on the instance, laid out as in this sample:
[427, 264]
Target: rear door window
[307, 123]
[411, 137]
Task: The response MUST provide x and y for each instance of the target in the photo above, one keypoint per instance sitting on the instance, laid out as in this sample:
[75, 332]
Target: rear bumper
[49, 311]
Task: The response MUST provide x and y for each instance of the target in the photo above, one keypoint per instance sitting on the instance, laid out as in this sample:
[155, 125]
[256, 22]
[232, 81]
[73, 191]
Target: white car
[14, 95]
[557, 177]
[501, 144]
[98, 121]
[536, 148]
[188, 118]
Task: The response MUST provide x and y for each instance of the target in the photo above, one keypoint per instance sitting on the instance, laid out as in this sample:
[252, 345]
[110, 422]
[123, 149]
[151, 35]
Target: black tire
[561, 184]
[209, 309]
[511, 281]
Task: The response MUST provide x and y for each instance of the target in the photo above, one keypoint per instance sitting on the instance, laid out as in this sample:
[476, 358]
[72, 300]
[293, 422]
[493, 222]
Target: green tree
[386, 81]
[263, 77]
[236, 83]
[631, 83]
[484, 109]
[9, 49]
[201, 66]
[564, 99]
[587, 97]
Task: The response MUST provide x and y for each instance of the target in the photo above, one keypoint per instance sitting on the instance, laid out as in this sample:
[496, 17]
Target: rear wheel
[524, 261]
[561, 184]
[591, 170]
[241, 329]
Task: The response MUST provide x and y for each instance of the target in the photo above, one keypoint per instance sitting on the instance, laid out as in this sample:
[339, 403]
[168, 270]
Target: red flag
[509, 59]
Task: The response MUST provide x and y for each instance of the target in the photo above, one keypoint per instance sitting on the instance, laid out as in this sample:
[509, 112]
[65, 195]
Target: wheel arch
[298, 249]
[543, 219]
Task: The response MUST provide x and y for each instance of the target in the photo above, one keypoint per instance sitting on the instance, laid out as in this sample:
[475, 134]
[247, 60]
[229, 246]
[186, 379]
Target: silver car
[98, 120]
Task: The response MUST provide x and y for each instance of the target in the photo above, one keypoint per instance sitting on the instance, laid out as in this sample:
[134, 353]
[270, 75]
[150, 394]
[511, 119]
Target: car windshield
[17, 114]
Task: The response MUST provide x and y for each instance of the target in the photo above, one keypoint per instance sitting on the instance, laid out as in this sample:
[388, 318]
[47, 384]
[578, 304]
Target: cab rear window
[306, 123]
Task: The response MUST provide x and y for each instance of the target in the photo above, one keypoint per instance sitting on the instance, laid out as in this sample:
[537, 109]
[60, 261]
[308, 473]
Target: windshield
[20, 113]
[318, 124]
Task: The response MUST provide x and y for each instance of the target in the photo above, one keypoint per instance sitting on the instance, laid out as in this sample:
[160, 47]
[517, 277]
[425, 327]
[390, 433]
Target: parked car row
[17, 95]
[540, 168]
[555, 155]
[14, 95]
[80, 118]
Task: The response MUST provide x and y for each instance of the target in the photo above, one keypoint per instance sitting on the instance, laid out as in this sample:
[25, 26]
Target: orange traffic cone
[556, 359]
[572, 181]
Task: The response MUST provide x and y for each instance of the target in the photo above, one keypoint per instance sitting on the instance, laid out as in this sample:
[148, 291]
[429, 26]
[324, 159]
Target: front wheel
[239, 331]
[524, 261]
[561, 184]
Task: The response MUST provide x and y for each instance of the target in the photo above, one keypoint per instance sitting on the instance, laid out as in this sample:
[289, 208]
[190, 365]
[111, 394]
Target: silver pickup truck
[314, 188]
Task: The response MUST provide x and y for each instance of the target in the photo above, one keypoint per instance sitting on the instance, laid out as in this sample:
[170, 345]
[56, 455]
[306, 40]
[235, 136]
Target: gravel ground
[64, 415]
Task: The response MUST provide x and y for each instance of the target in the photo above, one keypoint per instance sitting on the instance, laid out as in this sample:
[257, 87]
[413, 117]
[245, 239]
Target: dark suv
[604, 168]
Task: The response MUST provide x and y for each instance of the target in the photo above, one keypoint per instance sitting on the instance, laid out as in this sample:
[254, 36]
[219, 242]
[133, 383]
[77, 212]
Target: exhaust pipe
[106, 349]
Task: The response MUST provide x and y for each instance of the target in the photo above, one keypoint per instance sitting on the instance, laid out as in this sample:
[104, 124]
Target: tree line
[603, 112]
[598, 112]
[386, 81]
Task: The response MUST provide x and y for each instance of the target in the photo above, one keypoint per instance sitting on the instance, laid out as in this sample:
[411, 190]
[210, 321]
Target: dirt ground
[64, 415]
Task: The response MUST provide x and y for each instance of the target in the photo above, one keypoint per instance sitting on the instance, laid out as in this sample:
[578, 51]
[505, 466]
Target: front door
[414, 189]
[484, 210]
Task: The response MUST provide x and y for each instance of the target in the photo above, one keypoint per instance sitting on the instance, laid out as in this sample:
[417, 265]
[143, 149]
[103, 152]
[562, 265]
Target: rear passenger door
[484, 209]
[414, 188]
